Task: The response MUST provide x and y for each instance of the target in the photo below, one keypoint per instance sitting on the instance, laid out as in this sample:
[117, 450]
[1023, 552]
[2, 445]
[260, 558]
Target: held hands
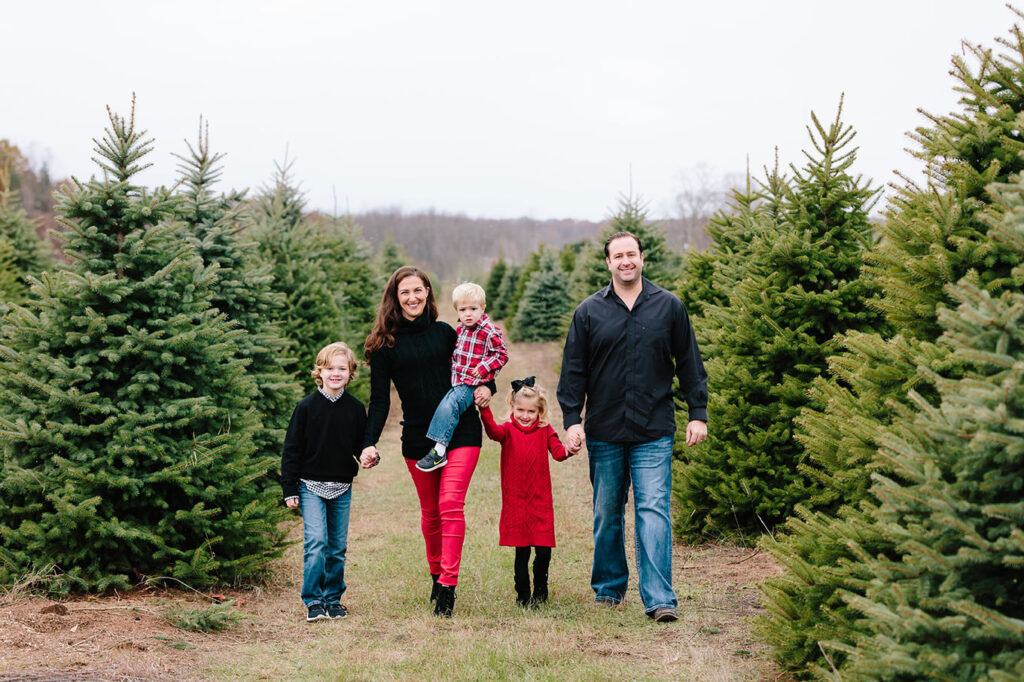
[482, 396]
[574, 438]
[696, 431]
[369, 457]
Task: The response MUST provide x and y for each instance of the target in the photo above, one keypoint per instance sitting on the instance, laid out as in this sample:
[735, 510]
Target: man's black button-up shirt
[620, 363]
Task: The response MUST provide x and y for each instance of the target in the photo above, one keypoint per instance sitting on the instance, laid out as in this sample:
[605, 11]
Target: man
[618, 359]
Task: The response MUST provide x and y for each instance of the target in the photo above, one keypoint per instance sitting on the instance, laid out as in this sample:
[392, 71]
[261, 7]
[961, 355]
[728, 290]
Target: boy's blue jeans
[446, 417]
[325, 525]
[649, 467]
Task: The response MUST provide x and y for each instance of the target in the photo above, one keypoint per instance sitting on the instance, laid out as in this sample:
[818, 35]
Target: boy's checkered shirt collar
[332, 398]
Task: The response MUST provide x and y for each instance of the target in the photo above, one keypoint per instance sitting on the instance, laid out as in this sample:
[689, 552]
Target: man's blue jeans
[649, 466]
[325, 525]
[449, 410]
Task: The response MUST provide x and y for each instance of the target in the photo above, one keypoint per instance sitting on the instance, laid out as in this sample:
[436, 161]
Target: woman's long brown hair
[389, 314]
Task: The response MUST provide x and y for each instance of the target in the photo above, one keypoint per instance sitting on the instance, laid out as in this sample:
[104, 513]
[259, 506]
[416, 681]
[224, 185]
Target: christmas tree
[933, 235]
[950, 604]
[26, 255]
[545, 308]
[127, 418]
[294, 249]
[242, 291]
[797, 287]
[494, 308]
[732, 231]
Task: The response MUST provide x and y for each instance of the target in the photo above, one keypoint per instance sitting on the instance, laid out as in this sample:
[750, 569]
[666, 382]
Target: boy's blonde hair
[468, 292]
[326, 354]
[535, 392]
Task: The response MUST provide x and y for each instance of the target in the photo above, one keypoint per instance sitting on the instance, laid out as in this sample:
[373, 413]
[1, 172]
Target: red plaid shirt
[480, 345]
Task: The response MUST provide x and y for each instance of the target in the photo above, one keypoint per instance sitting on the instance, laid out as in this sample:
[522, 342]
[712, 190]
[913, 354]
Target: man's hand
[696, 431]
[291, 502]
[369, 457]
[574, 438]
[482, 396]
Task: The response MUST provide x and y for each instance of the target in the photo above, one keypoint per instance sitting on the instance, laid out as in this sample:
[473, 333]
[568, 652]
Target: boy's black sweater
[323, 441]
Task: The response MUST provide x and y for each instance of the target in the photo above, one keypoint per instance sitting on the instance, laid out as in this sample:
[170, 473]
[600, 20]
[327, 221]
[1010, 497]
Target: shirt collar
[333, 399]
[646, 289]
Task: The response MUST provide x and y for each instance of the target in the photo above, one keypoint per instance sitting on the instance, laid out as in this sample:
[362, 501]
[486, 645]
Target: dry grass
[390, 632]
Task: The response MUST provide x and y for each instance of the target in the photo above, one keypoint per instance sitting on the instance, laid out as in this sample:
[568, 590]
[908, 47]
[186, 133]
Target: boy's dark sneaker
[336, 611]
[316, 612]
[432, 461]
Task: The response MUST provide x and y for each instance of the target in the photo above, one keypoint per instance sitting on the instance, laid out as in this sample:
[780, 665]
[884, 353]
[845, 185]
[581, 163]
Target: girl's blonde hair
[326, 354]
[535, 392]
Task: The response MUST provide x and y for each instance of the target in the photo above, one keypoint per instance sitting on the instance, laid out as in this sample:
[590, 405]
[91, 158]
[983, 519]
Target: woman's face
[412, 296]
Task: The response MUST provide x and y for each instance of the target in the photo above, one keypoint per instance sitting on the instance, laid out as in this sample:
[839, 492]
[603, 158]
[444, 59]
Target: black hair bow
[519, 383]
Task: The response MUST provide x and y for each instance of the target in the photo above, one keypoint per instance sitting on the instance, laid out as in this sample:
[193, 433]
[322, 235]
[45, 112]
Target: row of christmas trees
[866, 388]
[145, 385]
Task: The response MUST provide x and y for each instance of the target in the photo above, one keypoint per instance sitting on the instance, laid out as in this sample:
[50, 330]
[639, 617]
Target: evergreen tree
[732, 231]
[523, 276]
[932, 236]
[494, 308]
[390, 257]
[347, 262]
[545, 308]
[797, 287]
[508, 286]
[950, 604]
[11, 288]
[294, 248]
[126, 416]
[242, 291]
[29, 255]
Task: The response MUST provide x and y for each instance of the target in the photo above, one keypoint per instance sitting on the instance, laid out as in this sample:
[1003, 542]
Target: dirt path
[390, 633]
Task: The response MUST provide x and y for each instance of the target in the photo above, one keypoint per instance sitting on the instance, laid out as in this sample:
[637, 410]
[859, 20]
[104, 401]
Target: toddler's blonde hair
[326, 354]
[468, 292]
[535, 392]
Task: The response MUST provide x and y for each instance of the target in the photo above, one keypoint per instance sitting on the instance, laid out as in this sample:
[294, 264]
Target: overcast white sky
[492, 109]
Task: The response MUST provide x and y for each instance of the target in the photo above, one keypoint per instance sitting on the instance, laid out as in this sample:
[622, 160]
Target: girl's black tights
[540, 575]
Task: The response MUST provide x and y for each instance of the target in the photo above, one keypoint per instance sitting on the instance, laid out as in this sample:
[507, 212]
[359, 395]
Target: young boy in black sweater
[321, 457]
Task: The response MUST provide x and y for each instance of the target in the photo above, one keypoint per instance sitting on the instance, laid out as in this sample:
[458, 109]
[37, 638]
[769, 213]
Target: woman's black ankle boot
[445, 600]
[433, 588]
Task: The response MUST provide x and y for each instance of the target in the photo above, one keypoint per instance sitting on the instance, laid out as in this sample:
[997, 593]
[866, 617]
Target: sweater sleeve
[555, 446]
[494, 431]
[360, 435]
[294, 446]
[380, 397]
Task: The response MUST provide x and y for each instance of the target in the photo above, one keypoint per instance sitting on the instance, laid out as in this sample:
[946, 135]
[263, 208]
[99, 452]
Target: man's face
[625, 261]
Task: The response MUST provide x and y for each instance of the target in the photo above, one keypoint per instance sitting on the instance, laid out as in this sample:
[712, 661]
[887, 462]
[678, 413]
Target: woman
[411, 348]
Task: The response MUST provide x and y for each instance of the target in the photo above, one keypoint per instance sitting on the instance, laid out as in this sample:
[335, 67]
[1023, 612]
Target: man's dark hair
[619, 235]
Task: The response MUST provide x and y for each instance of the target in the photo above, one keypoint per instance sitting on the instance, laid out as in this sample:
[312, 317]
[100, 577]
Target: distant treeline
[456, 246]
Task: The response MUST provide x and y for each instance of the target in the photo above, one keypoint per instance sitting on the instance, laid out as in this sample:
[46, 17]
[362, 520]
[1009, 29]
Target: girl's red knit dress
[527, 513]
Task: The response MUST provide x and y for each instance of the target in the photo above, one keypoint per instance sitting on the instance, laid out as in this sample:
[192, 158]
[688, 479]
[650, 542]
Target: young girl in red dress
[527, 514]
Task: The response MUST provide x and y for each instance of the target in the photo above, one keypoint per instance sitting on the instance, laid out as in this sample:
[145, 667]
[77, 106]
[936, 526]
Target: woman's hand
[369, 457]
[482, 396]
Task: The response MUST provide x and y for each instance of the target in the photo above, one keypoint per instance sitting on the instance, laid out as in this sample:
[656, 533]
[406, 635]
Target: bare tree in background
[702, 192]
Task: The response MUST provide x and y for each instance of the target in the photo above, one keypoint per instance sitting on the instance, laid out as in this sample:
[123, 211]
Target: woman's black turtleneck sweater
[420, 366]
